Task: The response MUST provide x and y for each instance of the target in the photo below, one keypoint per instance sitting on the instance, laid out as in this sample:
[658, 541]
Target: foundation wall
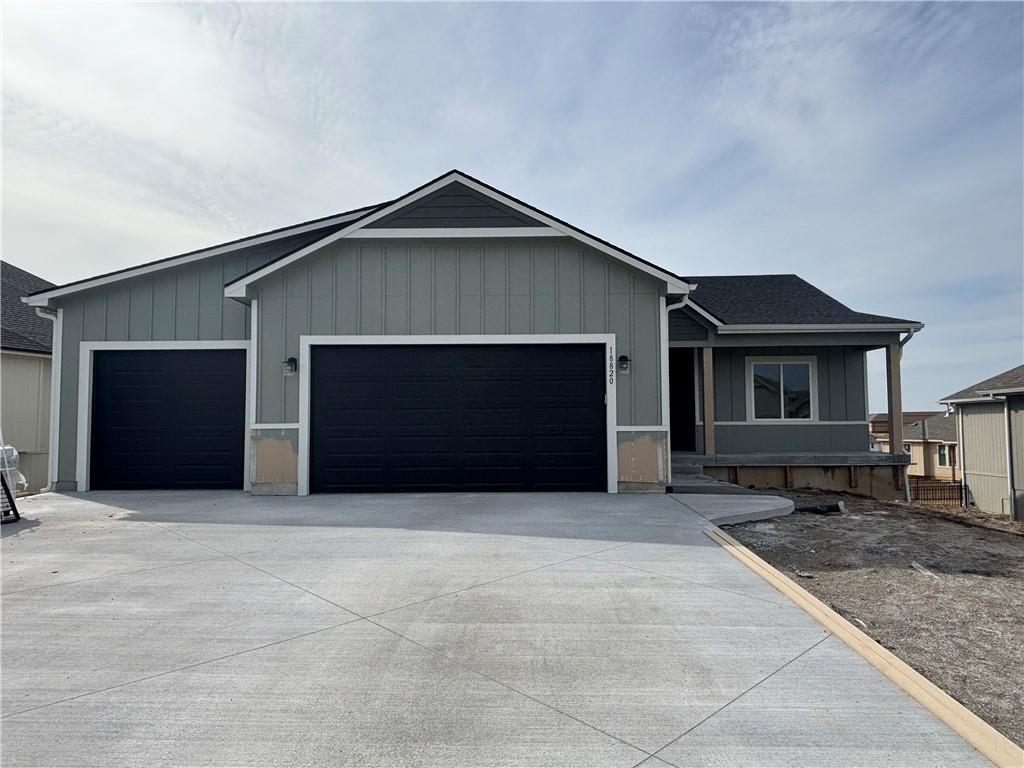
[877, 482]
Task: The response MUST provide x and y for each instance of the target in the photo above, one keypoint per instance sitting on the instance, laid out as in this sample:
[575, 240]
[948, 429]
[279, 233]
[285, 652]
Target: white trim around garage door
[85, 359]
[607, 339]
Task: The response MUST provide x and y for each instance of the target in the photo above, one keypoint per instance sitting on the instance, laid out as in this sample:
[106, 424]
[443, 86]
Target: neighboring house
[932, 445]
[878, 423]
[457, 338]
[25, 340]
[990, 421]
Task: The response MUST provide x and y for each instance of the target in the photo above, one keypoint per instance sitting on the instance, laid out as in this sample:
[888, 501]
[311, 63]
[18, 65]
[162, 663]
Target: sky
[877, 150]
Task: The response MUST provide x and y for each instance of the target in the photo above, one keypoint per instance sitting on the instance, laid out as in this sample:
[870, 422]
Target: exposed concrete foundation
[274, 462]
[643, 461]
[877, 482]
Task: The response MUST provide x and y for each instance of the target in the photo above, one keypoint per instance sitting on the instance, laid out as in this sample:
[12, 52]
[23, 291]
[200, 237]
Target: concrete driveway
[207, 629]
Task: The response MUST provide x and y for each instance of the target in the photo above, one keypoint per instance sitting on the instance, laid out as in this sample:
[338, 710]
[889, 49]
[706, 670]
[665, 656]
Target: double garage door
[382, 418]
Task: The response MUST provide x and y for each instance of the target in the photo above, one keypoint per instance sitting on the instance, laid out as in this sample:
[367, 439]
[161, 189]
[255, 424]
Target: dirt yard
[931, 585]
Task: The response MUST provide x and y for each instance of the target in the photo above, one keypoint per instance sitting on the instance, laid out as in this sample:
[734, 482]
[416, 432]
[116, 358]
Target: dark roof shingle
[21, 329]
[1012, 379]
[940, 427]
[775, 300]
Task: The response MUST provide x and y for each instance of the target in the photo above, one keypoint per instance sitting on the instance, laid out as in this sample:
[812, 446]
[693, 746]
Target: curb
[975, 731]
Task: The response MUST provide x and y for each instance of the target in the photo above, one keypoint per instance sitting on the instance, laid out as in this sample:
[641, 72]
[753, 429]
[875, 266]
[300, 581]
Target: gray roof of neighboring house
[1011, 380]
[775, 299]
[940, 427]
[21, 329]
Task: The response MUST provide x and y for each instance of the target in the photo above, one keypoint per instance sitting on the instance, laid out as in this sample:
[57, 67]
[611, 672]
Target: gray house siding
[176, 304]
[515, 286]
[456, 205]
[682, 326]
[984, 455]
[841, 397]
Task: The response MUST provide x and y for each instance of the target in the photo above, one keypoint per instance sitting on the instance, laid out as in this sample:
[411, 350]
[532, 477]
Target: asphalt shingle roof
[774, 299]
[21, 329]
[940, 427]
[1011, 379]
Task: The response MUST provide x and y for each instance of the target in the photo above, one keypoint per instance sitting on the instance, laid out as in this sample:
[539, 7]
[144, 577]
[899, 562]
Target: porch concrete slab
[353, 696]
[728, 510]
[814, 722]
[71, 639]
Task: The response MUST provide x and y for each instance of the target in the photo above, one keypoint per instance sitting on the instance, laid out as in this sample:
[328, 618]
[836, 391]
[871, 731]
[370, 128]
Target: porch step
[697, 483]
[687, 469]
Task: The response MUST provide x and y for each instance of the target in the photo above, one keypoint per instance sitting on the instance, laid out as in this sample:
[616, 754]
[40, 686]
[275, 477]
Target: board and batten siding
[176, 304]
[25, 412]
[514, 286]
[984, 455]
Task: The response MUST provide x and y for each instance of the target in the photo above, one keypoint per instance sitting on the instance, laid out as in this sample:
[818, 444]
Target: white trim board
[306, 343]
[43, 299]
[85, 360]
[239, 288]
[821, 328]
[56, 348]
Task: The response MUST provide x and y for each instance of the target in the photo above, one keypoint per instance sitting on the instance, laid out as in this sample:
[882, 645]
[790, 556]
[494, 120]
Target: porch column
[708, 400]
[895, 400]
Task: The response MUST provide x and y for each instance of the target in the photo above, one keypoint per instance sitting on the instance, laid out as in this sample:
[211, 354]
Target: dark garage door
[168, 419]
[461, 417]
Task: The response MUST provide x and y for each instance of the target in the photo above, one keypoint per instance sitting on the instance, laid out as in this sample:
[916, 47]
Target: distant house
[932, 445]
[990, 421]
[25, 341]
[878, 423]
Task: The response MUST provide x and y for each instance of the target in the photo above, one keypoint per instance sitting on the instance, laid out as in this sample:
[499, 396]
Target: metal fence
[944, 492]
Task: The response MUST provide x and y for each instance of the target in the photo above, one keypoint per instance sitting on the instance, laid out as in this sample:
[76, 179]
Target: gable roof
[547, 226]
[314, 229]
[1007, 382]
[21, 329]
[941, 428]
[744, 303]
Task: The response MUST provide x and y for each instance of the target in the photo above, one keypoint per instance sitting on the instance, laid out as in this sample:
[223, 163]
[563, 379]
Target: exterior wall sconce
[624, 362]
[290, 366]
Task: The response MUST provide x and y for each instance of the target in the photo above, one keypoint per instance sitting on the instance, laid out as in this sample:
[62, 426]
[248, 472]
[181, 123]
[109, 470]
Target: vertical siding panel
[74, 325]
[140, 310]
[570, 289]
[94, 317]
[520, 307]
[296, 323]
[620, 315]
[118, 308]
[646, 351]
[446, 280]
[165, 290]
[738, 385]
[270, 339]
[211, 300]
[346, 282]
[544, 282]
[371, 289]
[837, 388]
[396, 288]
[421, 287]
[595, 293]
[824, 383]
[471, 283]
[186, 308]
[321, 293]
[235, 315]
[495, 266]
[855, 395]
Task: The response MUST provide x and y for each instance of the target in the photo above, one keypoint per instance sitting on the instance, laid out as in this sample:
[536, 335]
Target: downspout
[56, 316]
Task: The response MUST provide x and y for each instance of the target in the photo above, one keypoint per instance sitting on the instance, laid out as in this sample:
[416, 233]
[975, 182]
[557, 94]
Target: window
[782, 389]
[943, 456]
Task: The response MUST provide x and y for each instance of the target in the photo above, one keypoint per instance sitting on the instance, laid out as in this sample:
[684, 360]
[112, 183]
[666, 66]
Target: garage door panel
[458, 417]
[167, 419]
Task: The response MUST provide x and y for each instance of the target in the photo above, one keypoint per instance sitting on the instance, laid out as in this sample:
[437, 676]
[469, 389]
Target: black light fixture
[624, 362]
[290, 366]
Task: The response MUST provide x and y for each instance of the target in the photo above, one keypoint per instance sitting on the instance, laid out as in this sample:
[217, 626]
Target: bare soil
[943, 589]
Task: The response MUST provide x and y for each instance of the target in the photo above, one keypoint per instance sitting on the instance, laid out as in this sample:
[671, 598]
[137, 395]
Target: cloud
[875, 149]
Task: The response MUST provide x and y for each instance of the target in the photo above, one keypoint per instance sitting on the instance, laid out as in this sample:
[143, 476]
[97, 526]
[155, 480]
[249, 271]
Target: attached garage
[451, 417]
[166, 418]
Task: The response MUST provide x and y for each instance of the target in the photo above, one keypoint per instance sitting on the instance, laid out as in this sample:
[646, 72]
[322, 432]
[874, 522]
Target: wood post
[895, 400]
[708, 397]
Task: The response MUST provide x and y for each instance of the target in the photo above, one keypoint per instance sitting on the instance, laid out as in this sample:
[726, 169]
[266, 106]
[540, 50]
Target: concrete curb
[975, 731]
[722, 509]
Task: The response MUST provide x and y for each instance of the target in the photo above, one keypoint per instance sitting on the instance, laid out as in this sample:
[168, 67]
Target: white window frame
[810, 360]
[86, 352]
[610, 377]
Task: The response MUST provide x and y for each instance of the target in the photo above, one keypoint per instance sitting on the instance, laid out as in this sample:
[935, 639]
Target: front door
[682, 391]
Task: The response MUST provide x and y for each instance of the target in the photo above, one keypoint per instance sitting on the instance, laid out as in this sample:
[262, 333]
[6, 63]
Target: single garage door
[461, 417]
[168, 419]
